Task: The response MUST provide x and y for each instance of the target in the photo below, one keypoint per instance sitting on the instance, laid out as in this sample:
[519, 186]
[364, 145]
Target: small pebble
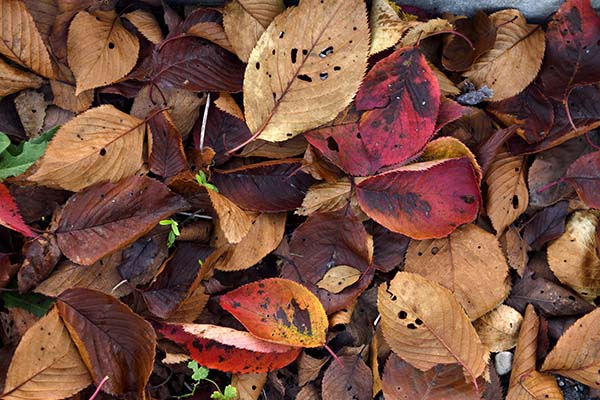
[503, 362]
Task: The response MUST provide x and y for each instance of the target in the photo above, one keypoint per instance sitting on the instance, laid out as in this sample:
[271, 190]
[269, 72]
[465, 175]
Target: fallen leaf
[423, 30]
[387, 28]
[279, 310]
[190, 309]
[112, 340]
[350, 380]
[249, 386]
[322, 67]
[13, 80]
[584, 176]
[327, 196]
[65, 97]
[227, 103]
[389, 248]
[146, 24]
[309, 368]
[228, 350]
[450, 147]
[546, 225]
[9, 214]
[167, 157]
[425, 325]
[46, 364]
[339, 278]
[533, 386]
[110, 216]
[232, 221]
[207, 23]
[142, 260]
[515, 248]
[498, 329]
[41, 256]
[469, 254]
[18, 158]
[31, 107]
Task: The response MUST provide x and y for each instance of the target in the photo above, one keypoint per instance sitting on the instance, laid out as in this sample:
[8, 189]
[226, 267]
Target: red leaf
[167, 157]
[279, 310]
[227, 349]
[110, 216]
[402, 98]
[584, 175]
[423, 201]
[9, 214]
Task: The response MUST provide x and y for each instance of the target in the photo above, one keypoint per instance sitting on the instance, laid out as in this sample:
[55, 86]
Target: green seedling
[174, 230]
[202, 181]
[201, 374]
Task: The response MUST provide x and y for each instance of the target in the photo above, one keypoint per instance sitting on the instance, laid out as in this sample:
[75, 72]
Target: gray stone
[503, 362]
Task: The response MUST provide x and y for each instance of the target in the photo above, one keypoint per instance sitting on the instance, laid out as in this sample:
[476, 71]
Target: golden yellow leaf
[249, 386]
[146, 24]
[306, 67]
[573, 257]
[425, 325]
[507, 194]
[469, 262]
[514, 61]
[232, 220]
[498, 329]
[101, 144]
[21, 41]
[100, 50]
[339, 278]
[13, 80]
[46, 364]
[387, 28]
[246, 20]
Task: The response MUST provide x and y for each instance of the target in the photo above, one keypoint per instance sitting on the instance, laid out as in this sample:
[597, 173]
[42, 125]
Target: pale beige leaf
[535, 386]
[232, 220]
[424, 29]
[498, 329]
[447, 87]
[515, 249]
[325, 197]
[146, 24]
[211, 31]
[306, 67]
[246, 20]
[249, 386]
[64, 97]
[293, 147]
[190, 308]
[46, 364]
[101, 144]
[425, 325]
[514, 61]
[308, 392]
[573, 257]
[577, 353]
[469, 262]
[387, 28]
[44, 13]
[309, 367]
[13, 80]
[102, 276]
[339, 278]
[264, 236]
[100, 50]
[21, 41]
[507, 194]
[342, 317]
[31, 107]
[227, 104]
[525, 353]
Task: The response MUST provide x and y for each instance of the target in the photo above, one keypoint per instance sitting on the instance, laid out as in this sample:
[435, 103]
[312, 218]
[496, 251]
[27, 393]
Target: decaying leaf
[13, 80]
[233, 222]
[387, 28]
[146, 24]
[353, 380]
[584, 175]
[498, 329]
[9, 213]
[339, 278]
[249, 386]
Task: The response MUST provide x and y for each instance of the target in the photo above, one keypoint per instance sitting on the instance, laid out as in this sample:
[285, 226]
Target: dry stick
[99, 387]
[204, 119]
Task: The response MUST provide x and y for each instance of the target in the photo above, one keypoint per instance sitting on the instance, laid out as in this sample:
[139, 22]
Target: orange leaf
[279, 310]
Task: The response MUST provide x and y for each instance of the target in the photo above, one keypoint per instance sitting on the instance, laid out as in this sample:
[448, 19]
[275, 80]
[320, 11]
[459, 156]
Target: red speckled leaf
[109, 216]
[402, 98]
[279, 310]
[226, 349]
[423, 201]
[9, 213]
[270, 186]
[167, 157]
[584, 175]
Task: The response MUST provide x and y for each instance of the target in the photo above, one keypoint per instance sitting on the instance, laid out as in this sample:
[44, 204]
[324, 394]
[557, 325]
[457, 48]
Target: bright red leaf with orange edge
[279, 310]
[227, 349]
[584, 175]
[401, 96]
[9, 214]
[426, 200]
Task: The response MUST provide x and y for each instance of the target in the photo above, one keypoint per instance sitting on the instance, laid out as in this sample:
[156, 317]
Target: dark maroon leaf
[389, 247]
[584, 175]
[449, 112]
[546, 225]
[36, 202]
[488, 150]
[270, 186]
[143, 258]
[109, 216]
[167, 157]
[41, 256]
[223, 133]
[7, 270]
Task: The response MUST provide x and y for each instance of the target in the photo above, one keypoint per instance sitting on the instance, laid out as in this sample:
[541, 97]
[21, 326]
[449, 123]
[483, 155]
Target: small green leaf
[202, 181]
[16, 159]
[230, 392]
[4, 142]
[200, 373]
[166, 222]
[171, 239]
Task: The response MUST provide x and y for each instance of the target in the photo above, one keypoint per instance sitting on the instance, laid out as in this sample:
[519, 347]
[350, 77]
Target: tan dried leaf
[227, 104]
[146, 24]
[100, 50]
[387, 28]
[13, 80]
[308, 392]
[469, 262]
[306, 67]
[249, 386]
[190, 308]
[447, 87]
[515, 249]
[232, 220]
[573, 256]
[525, 353]
[498, 329]
[21, 41]
[339, 278]
[264, 236]
[211, 31]
[64, 97]
[514, 61]
[46, 364]
[44, 13]
[577, 353]
[278, 150]
[31, 107]
[535, 386]
[246, 20]
[424, 29]
[507, 194]
[101, 144]
[425, 325]
[309, 368]
[326, 197]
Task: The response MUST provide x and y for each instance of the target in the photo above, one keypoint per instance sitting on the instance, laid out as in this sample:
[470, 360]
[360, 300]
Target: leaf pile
[336, 199]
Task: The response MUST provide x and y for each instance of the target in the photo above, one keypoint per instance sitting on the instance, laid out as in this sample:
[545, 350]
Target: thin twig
[204, 119]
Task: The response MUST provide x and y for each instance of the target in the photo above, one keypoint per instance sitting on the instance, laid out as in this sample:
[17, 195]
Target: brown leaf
[425, 325]
[101, 144]
[327, 196]
[43, 12]
[315, 72]
[468, 255]
[232, 221]
[101, 51]
[41, 256]
[167, 156]
[534, 386]
[514, 61]
[146, 24]
[110, 216]
[386, 26]
[499, 328]
[309, 368]
[249, 386]
[21, 41]
[227, 103]
[31, 107]
[207, 23]
[573, 257]
[112, 340]
[515, 248]
[525, 353]
[547, 225]
[190, 308]
[352, 381]
[339, 278]
[46, 364]
[65, 97]
[142, 260]
[13, 80]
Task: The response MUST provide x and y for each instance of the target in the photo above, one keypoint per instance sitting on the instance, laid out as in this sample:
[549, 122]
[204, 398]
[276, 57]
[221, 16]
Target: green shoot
[201, 374]
[203, 181]
[174, 230]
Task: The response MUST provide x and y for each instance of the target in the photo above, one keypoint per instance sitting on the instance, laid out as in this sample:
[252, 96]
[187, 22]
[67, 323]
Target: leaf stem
[549, 185]
[102, 382]
[335, 357]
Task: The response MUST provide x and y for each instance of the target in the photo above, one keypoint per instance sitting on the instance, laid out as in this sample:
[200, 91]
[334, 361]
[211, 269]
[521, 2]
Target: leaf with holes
[280, 311]
[9, 214]
[424, 200]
